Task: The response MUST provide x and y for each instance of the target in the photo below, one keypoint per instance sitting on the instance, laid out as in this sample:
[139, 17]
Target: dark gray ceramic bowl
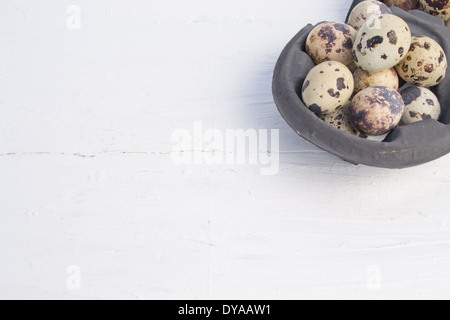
[405, 146]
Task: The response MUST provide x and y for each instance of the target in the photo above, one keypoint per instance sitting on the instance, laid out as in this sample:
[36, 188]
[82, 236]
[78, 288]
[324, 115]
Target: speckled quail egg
[425, 65]
[438, 8]
[381, 43]
[366, 9]
[376, 110]
[331, 42]
[420, 104]
[327, 87]
[364, 79]
[341, 120]
[406, 5]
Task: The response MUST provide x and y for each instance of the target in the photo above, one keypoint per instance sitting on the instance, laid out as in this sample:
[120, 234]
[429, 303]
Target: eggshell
[366, 9]
[425, 64]
[381, 43]
[376, 110]
[364, 79]
[327, 87]
[406, 5]
[420, 104]
[438, 8]
[331, 41]
[341, 120]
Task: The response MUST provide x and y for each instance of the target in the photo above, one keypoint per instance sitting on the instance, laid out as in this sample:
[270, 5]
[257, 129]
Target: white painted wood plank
[87, 176]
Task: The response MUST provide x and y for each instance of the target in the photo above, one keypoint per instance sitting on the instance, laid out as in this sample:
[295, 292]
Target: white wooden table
[94, 206]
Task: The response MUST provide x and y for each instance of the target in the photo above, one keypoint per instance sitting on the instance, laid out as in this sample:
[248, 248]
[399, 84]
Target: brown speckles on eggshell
[342, 28]
[315, 108]
[305, 86]
[376, 110]
[359, 47]
[420, 104]
[429, 68]
[334, 94]
[364, 11]
[425, 64]
[412, 114]
[411, 94]
[348, 44]
[372, 43]
[392, 36]
[406, 5]
[340, 120]
[439, 8]
[441, 57]
[328, 35]
[340, 84]
[363, 79]
[328, 90]
[355, 57]
[383, 47]
[331, 42]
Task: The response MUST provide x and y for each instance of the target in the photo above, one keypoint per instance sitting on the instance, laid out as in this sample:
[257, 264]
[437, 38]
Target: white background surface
[87, 177]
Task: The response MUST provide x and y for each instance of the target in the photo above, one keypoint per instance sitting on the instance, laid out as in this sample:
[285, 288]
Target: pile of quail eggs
[355, 83]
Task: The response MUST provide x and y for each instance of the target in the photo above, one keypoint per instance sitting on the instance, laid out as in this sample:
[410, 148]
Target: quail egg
[366, 9]
[420, 104]
[331, 42]
[376, 110]
[425, 65]
[438, 8]
[364, 79]
[327, 87]
[381, 43]
[341, 120]
[406, 5]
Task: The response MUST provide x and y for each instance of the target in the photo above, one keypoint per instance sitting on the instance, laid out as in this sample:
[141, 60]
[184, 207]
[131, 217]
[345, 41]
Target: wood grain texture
[87, 177]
